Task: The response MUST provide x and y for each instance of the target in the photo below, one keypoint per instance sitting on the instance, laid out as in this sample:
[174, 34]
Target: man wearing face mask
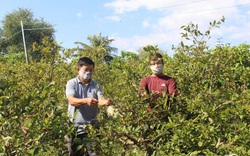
[84, 96]
[158, 82]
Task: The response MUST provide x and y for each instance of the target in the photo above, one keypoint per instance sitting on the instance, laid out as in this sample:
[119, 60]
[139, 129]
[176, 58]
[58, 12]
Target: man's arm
[143, 87]
[142, 92]
[104, 102]
[74, 101]
[172, 88]
[81, 101]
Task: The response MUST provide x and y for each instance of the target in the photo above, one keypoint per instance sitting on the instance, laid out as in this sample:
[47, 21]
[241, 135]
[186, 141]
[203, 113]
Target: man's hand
[105, 102]
[143, 94]
[92, 102]
[156, 95]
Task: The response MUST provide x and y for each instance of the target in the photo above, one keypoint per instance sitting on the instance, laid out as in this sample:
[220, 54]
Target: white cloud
[145, 23]
[114, 18]
[122, 6]
[165, 29]
[122, 43]
[135, 42]
[79, 14]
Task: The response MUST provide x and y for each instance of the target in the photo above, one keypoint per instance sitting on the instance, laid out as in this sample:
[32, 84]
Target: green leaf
[36, 151]
[200, 143]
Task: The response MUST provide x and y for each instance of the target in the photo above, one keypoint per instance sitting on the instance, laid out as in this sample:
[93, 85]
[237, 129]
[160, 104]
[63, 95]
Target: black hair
[155, 56]
[84, 61]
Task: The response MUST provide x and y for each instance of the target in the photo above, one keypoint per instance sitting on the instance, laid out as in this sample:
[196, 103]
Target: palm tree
[99, 47]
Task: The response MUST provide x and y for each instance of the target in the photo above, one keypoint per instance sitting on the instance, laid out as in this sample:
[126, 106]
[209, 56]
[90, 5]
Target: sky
[134, 24]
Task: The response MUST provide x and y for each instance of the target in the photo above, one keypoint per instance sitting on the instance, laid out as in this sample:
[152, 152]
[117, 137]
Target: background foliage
[34, 29]
[210, 115]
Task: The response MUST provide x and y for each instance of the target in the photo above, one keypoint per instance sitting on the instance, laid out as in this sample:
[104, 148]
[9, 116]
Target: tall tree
[99, 47]
[146, 51]
[34, 30]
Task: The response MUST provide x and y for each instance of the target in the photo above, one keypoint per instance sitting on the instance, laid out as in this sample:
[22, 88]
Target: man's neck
[157, 75]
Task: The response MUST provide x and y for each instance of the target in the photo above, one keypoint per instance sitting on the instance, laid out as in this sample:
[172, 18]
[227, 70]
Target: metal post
[24, 44]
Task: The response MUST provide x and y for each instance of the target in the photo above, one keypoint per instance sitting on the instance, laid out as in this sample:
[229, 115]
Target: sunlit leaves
[209, 116]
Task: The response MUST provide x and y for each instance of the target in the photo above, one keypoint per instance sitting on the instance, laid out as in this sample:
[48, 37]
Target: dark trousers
[75, 144]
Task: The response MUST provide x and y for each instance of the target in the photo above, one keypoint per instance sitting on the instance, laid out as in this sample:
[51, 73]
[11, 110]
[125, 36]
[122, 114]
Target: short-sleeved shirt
[78, 89]
[159, 84]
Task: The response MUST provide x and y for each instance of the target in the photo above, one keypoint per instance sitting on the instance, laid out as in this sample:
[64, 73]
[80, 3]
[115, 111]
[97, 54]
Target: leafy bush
[209, 116]
[33, 109]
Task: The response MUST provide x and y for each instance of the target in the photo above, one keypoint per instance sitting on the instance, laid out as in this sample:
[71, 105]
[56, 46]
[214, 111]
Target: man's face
[86, 68]
[156, 66]
[86, 72]
[156, 62]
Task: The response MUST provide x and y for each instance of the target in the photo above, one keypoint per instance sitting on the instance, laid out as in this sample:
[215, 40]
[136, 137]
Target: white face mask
[85, 75]
[157, 69]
